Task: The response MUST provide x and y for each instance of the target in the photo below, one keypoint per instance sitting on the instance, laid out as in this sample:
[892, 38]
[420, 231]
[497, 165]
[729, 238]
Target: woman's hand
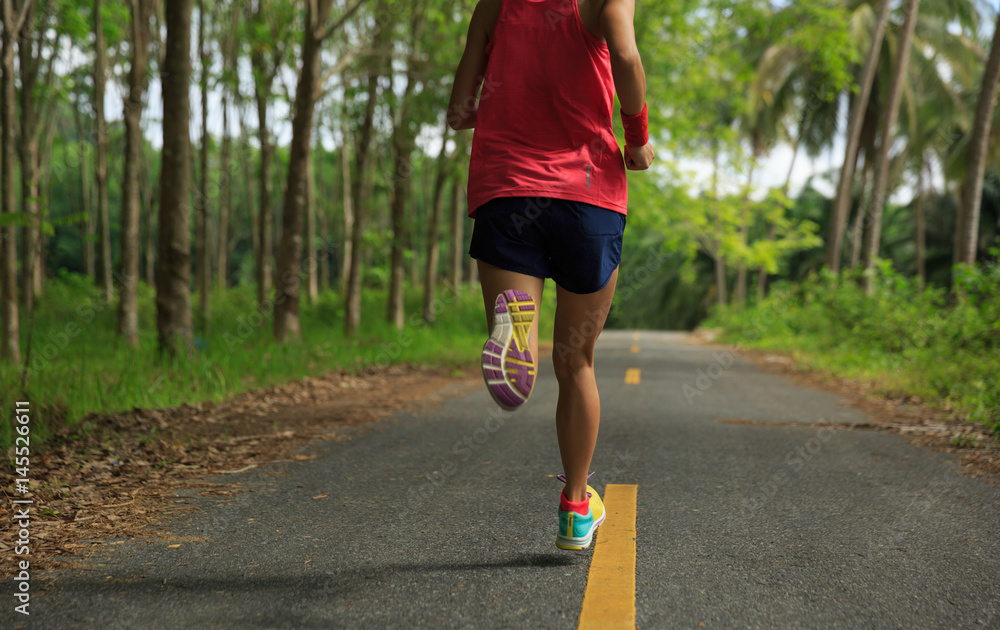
[638, 158]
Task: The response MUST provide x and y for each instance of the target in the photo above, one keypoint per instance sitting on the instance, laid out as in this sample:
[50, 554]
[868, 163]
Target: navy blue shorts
[576, 244]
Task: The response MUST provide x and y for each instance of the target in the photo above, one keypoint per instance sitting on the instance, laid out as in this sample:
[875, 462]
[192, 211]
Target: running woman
[548, 192]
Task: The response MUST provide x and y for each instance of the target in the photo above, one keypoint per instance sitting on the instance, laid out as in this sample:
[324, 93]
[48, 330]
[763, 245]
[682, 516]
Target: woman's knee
[568, 362]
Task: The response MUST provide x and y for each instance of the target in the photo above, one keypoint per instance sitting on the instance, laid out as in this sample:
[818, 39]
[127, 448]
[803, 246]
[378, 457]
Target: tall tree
[173, 284]
[972, 188]
[455, 231]
[360, 186]
[101, 171]
[318, 28]
[434, 229]
[873, 233]
[14, 16]
[845, 186]
[228, 33]
[348, 198]
[31, 59]
[267, 49]
[128, 312]
[402, 148]
[310, 262]
[202, 250]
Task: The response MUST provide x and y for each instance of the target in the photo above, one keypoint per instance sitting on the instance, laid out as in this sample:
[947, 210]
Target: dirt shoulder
[119, 480]
[922, 424]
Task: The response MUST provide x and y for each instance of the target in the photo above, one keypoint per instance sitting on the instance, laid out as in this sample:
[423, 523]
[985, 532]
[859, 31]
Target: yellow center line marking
[635, 349]
[609, 601]
[635, 336]
[632, 376]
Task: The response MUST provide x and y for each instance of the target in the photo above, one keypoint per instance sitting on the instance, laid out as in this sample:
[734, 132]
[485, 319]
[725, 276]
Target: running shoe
[508, 367]
[579, 521]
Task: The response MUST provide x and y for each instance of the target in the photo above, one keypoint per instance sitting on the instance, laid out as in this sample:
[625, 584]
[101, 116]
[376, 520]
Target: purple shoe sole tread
[517, 384]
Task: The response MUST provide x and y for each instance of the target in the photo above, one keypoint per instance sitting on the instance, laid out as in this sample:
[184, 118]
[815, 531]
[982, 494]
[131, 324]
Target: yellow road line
[635, 349]
[609, 601]
[635, 336]
[632, 376]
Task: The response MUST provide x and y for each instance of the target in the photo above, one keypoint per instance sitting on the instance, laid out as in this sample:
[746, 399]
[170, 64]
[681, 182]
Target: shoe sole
[508, 367]
[578, 544]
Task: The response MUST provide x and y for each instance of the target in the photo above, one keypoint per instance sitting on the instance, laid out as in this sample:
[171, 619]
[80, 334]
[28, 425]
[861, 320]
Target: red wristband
[636, 127]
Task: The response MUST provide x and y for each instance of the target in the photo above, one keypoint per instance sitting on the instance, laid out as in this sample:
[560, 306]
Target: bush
[905, 339]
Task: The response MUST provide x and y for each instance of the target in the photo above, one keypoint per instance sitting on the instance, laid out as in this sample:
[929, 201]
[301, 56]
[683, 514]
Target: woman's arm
[464, 105]
[626, 66]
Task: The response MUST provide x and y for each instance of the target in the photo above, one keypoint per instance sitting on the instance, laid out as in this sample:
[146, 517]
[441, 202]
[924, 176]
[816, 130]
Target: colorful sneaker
[508, 367]
[579, 521]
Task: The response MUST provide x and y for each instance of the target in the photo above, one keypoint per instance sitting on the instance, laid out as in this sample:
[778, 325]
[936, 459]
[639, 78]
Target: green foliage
[906, 340]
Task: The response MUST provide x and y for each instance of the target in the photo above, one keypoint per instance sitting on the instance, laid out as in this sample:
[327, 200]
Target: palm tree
[880, 186]
[846, 182]
[968, 225]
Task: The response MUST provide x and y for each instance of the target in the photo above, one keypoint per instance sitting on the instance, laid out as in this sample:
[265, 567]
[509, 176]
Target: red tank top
[544, 126]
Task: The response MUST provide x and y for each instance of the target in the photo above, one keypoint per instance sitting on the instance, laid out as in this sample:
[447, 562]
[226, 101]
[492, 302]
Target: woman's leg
[579, 320]
[495, 281]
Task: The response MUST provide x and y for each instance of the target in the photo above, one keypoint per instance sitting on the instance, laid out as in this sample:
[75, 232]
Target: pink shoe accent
[580, 507]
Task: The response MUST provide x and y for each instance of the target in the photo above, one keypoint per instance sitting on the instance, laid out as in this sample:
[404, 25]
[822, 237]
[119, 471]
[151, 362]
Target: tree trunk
[325, 239]
[10, 345]
[873, 234]
[345, 168]
[312, 265]
[402, 145]
[149, 201]
[401, 163]
[265, 191]
[972, 190]
[458, 215]
[173, 290]
[128, 314]
[225, 198]
[286, 304]
[248, 195]
[434, 231]
[28, 149]
[921, 229]
[101, 172]
[352, 314]
[228, 46]
[201, 223]
[741, 267]
[858, 225]
[845, 187]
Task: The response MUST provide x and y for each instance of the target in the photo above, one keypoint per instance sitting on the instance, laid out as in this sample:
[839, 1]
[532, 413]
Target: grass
[79, 365]
[904, 341]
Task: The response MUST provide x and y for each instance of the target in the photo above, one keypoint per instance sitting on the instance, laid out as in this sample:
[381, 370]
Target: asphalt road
[447, 519]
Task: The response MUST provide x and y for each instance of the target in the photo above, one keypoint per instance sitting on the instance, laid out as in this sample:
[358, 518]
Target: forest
[205, 196]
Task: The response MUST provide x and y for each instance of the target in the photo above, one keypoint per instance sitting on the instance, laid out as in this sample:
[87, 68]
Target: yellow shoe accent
[596, 504]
